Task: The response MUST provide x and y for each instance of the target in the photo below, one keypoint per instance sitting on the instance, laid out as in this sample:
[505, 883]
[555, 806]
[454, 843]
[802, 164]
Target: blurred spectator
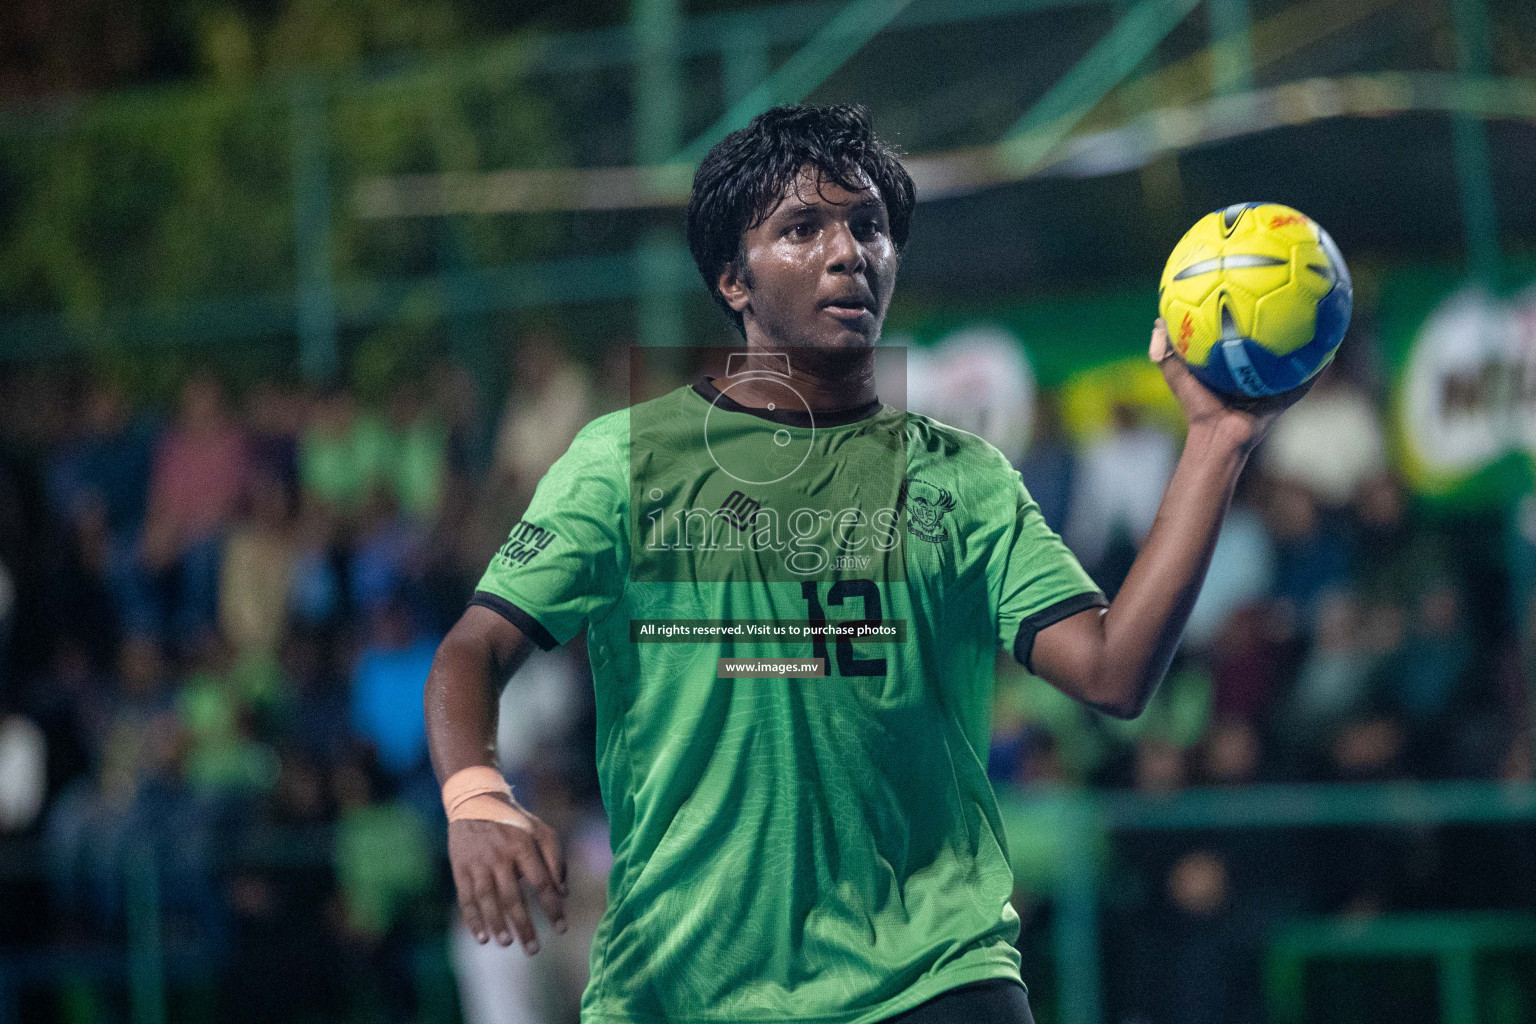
[454, 400]
[1427, 676]
[256, 576]
[550, 400]
[200, 473]
[540, 701]
[279, 930]
[1022, 754]
[1398, 553]
[71, 703]
[224, 757]
[382, 852]
[98, 487]
[387, 688]
[1120, 482]
[418, 456]
[384, 870]
[1367, 749]
[98, 480]
[1232, 753]
[275, 417]
[1188, 950]
[88, 824]
[1313, 553]
[385, 556]
[23, 772]
[1242, 572]
[316, 596]
[1160, 767]
[1336, 418]
[1250, 657]
[1333, 684]
[446, 565]
[314, 718]
[1050, 466]
[1214, 945]
[343, 455]
[126, 754]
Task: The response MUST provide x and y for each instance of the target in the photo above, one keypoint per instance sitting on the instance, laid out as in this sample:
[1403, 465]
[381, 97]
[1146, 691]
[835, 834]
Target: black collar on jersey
[705, 386]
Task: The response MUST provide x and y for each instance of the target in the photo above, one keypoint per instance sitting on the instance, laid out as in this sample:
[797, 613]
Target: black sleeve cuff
[1024, 643]
[519, 618]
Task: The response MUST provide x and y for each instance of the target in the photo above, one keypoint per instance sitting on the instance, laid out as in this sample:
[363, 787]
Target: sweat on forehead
[812, 185]
[749, 172]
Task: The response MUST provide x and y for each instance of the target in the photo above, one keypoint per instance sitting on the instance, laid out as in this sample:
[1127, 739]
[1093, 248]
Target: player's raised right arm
[491, 859]
[1114, 659]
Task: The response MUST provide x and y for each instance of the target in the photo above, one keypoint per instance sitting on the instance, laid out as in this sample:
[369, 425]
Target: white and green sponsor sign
[1464, 386]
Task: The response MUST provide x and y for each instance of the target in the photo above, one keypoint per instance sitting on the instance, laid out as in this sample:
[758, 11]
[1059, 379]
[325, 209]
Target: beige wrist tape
[470, 794]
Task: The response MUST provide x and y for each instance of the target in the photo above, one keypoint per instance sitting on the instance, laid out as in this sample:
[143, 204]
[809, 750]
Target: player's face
[820, 268]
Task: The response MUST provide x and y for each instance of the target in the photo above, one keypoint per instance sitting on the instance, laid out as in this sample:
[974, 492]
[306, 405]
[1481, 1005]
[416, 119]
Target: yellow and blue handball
[1256, 297]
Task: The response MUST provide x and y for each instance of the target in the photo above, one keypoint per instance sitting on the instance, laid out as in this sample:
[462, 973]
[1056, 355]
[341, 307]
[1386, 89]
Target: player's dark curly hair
[743, 178]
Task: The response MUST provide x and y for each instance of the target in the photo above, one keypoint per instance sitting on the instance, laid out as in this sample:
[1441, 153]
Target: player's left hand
[1244, 422]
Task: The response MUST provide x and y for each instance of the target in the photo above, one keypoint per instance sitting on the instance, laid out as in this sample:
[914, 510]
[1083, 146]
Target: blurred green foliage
[158, 197]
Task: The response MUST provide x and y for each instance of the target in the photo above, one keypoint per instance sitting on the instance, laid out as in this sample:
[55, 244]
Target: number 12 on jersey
[847, 663]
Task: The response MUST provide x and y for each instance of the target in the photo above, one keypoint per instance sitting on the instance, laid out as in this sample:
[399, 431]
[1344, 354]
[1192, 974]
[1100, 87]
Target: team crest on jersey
[926, 507]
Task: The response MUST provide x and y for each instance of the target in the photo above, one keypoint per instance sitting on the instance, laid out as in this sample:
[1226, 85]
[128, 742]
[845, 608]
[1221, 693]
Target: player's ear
[734, 287]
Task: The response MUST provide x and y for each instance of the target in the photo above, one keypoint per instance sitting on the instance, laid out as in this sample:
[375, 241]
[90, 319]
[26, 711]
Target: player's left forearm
[1142, 627]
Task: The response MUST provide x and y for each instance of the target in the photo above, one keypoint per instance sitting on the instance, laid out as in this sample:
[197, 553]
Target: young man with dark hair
[812, 839]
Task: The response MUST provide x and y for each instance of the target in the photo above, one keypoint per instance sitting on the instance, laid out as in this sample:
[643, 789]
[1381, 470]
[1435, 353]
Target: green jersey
[812, 843]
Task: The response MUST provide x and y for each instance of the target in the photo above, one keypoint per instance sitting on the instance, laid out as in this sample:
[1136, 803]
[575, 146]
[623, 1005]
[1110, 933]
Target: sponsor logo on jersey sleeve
[525, 541]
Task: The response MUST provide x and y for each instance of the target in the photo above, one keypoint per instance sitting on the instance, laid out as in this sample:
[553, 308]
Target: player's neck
[828, 380]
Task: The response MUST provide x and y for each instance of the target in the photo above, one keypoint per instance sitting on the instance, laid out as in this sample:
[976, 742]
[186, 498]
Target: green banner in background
[1462, 366]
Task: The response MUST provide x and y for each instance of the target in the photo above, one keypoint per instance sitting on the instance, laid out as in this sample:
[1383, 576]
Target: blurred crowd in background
[217, 617]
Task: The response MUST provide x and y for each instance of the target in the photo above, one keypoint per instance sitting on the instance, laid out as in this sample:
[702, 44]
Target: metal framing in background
[1077, 944]
[1090, 817]
[1231, 27]
[1474, 168]
[658, 133]
[466, 292]
[1052, 117]
[829, 49]
[316, 299]
[654, 43]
